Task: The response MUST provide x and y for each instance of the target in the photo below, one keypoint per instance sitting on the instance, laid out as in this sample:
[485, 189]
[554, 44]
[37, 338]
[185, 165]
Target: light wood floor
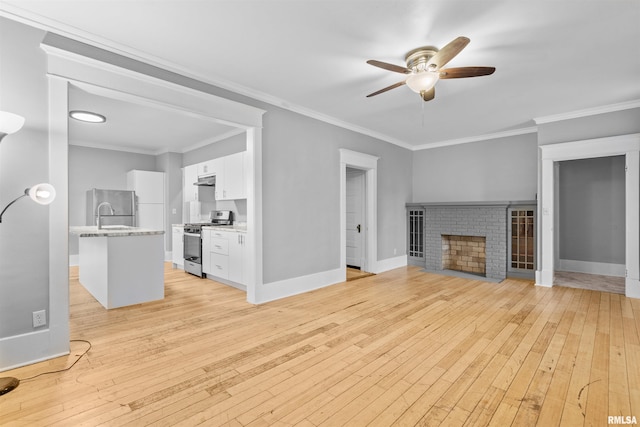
[399, 348]
[355, 274]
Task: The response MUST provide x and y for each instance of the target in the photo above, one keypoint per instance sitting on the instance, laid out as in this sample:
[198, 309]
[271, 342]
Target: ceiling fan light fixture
[87, 116]
[422, 81]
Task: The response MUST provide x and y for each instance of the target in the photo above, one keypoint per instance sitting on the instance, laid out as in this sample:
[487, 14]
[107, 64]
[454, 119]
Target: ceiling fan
[424, 68]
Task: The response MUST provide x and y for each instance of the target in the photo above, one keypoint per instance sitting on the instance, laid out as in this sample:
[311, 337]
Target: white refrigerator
[149, 188]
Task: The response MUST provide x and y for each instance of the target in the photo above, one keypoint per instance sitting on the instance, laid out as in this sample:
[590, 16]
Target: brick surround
[488, 221]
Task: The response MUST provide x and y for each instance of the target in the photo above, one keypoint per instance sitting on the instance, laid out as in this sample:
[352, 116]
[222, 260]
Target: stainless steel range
[193, 240]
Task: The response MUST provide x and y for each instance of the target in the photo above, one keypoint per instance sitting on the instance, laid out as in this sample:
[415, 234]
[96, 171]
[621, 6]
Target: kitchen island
[121, 265]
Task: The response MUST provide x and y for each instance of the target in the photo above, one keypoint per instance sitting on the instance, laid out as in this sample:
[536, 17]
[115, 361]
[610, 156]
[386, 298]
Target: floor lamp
[41, 193]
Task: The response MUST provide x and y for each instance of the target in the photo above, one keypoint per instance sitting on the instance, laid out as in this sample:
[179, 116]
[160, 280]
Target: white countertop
[112, 231]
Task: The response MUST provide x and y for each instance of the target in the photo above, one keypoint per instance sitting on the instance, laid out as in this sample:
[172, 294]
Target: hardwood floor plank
[403, 347]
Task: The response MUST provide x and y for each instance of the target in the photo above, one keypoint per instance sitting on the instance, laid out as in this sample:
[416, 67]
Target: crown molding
[588, 112]
[505, 134]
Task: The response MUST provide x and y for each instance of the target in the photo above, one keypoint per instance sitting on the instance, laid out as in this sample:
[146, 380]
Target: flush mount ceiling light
[9, 123]
[87, 116]
[424, 68]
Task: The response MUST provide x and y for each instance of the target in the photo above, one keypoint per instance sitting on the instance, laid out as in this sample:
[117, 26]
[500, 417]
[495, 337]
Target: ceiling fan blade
[393, 86]
[428, 95]
[389, 67]
[462, 72]
[447, 53]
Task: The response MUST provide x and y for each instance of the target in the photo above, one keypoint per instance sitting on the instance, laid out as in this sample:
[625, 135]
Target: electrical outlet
[395, 251]
[174, 211]
[39, 318]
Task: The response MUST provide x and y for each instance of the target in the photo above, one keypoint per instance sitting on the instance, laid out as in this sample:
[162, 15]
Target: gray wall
[493, 170]
[597, 126]
[591, 210]
[232, 145]
[24, 157]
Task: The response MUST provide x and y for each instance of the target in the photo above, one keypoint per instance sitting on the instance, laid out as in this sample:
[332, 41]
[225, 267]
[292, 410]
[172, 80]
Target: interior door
[355, 218]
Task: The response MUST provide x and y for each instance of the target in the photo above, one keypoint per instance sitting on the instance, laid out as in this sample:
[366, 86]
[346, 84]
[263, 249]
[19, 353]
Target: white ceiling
[140, 128]
[552, 57]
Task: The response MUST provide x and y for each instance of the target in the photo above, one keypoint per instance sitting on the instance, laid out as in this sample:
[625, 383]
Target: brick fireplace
[484, 222]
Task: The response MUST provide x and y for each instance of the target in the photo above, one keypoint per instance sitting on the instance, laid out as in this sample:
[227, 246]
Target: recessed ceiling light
[87, 116]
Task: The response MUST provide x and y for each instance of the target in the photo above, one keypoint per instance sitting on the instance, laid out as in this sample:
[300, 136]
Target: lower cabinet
[177, 249]
[223, 254]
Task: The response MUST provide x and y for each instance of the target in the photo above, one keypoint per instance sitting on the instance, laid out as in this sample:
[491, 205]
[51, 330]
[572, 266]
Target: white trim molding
[489, 136]
[588, 112]
[369, 164]
[627, 145]
[298, 285]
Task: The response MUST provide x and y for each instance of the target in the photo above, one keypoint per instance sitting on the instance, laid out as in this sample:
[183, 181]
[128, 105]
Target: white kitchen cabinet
[206, 251]
[190, 191]
[234, 182]
[177, 250]
[211, 167]
[223, 254]
[148, 185]
[149, 188]
[151, 216]
[237, 257]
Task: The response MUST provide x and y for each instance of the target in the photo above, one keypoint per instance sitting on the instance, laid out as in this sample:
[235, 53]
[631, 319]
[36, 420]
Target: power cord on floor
[65, 369]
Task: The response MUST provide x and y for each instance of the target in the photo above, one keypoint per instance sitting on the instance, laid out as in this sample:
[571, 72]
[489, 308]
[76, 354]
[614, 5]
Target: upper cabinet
[232, 184]
[211, 167]
[190, 190]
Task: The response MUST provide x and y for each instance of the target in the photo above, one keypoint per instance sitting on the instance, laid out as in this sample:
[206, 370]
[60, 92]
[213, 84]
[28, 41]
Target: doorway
[590, 228]
[355, 203]
[362, 171]
[626, 145]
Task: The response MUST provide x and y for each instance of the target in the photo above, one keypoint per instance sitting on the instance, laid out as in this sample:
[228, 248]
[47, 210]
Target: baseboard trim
[26, 349]
[298, 285]
[602, 268]
[390, 263]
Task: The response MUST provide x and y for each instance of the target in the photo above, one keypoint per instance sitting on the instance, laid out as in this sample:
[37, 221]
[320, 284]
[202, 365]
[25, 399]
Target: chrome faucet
[99, 222]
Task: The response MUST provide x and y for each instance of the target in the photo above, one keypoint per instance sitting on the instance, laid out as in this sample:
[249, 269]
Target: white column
[632, 219]
[544, 274]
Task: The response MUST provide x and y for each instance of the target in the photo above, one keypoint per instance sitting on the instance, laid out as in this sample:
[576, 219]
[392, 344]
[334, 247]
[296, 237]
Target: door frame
[369, 164]
[627, 145]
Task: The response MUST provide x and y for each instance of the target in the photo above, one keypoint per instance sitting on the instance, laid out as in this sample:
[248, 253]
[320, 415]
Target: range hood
[209, 181]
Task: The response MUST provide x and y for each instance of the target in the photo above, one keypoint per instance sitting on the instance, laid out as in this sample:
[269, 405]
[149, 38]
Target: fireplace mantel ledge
[473, 204]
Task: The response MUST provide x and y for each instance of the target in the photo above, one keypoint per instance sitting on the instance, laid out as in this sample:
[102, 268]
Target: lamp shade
[422, 80]
[42, 193]
[10, 123]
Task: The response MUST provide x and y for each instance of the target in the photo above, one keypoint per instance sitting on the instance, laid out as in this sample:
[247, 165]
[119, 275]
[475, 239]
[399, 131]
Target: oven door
[193, 247]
